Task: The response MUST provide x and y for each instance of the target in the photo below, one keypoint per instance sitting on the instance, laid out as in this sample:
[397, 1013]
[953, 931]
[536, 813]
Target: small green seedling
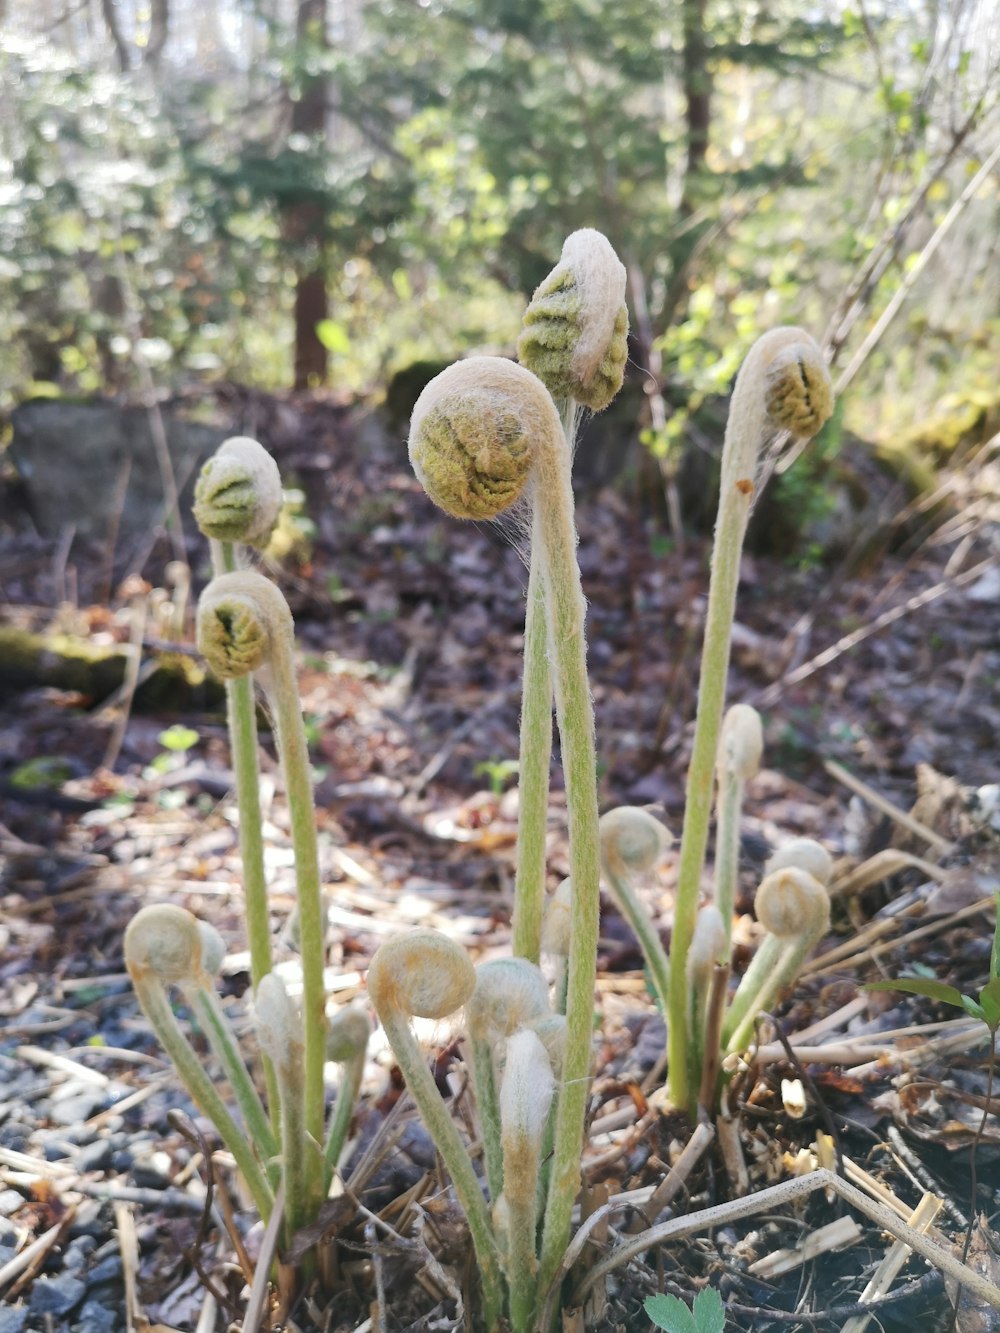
[986, 1008]
[498, 772]
[707, 1314]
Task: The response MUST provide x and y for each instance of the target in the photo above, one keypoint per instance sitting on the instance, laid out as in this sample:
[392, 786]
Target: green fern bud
[575, 336]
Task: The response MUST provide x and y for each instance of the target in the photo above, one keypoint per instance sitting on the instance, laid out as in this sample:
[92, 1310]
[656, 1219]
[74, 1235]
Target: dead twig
[776, 1196]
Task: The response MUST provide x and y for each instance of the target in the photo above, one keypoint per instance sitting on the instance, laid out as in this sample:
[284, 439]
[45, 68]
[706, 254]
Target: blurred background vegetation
[320, 193]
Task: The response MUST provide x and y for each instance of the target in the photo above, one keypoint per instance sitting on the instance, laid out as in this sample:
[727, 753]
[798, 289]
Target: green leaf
[178, 738]
[933, 990]
[669, 1313]
[45, 772]
[989, 999]
[973, 1009]
[709, 1311]
[995, 952]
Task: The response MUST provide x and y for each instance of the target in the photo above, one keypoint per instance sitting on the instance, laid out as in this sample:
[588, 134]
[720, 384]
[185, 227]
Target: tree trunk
[159, 27]
[305, 219]
[697, 93]
[109, 11]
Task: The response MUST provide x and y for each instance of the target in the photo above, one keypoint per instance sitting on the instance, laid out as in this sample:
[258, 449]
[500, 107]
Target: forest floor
[409, 627]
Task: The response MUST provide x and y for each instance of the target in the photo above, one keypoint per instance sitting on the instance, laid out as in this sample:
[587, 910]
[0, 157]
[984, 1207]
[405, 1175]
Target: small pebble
[11, 1320]
[76, 1252]
[56, 1149]
[96, 1156]
[108, 1270]
[153, 1172]
[72, 1110]
[95, 1318]
[10, 1202]
[56, 1295]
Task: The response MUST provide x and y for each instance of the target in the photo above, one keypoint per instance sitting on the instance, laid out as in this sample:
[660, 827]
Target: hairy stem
[634, 912]
[734, 509]
[210, 1014]
[282, 691]
[241, 713]
[485, 1084]
[574, 713]
[727, 847]
[442, 1129]
[536, 742]
[533, 769]
[352, 1072]
[156, 1007]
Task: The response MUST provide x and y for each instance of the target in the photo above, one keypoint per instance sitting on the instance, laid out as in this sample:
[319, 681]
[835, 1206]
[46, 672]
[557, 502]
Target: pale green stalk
[781, 973]
[709, 940]
[352, 1071]
[727, 846]
[282, 691]
[241, 710]
[485, 1084]
[743, 1004]
[536, 745]
[794, 909]
[441, 1127]
[533, 770]
[734, 510]
[574, 713]
[212, 1018]
[299, 1189]
[643, 926]
[783, 382]
[156, 1007]
[525, 1101]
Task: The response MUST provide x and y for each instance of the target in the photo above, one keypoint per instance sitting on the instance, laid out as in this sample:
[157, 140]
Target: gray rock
[95, 1318]
[10, 1202]
[108, 1270]
[74, 457]
[56, 1295]
[76, 1252]
[11, 1320]
[95, 1156]
[71, 1110]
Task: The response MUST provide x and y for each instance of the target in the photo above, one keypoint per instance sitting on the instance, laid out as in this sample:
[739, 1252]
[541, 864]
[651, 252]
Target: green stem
[300, 1188]
[734, 508]
[574, 713]
[561, 983]
[536, 742]
[533, 769]
[775, 981]
[156, 1007]
[485, 1084]
[727, 848]
[442, 1130]
[282, 692]
[634, 912]
[210, 1014]
[745, 1001]
[521, 1175]
[352, 1072]
[241, 711]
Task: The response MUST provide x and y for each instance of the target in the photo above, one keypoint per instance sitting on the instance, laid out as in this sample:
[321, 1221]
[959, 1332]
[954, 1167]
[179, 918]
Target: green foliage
[986, 1008]
[498, 771]
[45, 773]
[706, 1315]
[178, 738]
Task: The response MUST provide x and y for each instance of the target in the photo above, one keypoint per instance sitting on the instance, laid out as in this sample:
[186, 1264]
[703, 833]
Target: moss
[958, 420]
[62, 662]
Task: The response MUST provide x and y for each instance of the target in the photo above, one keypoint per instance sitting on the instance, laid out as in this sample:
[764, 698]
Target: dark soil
[410, 629]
